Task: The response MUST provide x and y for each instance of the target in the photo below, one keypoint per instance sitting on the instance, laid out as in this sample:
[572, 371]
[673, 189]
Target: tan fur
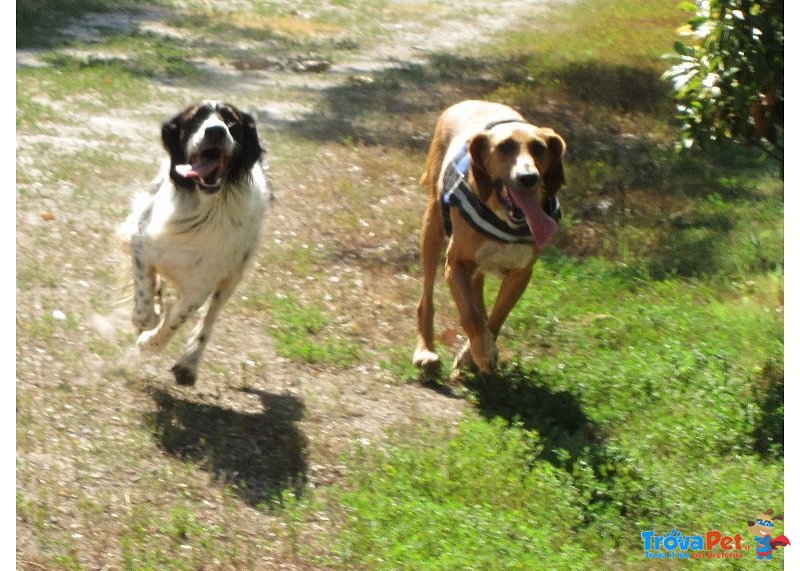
[470, 254]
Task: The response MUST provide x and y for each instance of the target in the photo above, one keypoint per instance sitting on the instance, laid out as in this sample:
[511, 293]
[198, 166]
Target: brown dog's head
[210, 143]
[523, 164]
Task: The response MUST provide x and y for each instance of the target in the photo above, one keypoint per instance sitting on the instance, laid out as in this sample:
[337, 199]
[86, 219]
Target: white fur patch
[495, 257]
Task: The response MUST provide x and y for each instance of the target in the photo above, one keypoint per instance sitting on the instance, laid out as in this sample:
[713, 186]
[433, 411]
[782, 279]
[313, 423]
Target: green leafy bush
[730, 83]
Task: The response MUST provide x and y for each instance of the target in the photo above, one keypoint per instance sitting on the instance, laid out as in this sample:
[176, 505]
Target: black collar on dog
[493, 124]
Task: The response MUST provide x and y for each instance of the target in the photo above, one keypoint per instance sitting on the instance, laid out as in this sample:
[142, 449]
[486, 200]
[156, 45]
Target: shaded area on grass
[258, 454]
[768, 427]
[522, 396]
[41, 23]
[391, 106]
[608, 478]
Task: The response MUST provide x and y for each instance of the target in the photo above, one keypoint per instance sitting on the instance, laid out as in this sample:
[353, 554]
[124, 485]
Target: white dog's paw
[184, 374]
[150, 342]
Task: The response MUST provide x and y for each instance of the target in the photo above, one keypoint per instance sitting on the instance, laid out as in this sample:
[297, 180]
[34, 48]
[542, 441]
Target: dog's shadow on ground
[523, 396]
[258, 454]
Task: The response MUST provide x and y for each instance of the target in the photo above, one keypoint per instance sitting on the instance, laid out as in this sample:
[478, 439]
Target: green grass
[92, 87]
[608, 408]
[469, 501]
[303, 332]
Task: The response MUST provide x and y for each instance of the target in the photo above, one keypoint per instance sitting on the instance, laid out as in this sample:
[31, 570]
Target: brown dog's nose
[528, 180]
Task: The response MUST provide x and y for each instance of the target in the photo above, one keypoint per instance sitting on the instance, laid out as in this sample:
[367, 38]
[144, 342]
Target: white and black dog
[199, 229]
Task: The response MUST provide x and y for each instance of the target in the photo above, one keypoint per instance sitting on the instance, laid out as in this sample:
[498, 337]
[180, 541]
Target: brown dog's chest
[496, 257]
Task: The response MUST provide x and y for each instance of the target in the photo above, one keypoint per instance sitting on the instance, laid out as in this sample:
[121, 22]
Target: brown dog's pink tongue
[198, 169]
[542, 227]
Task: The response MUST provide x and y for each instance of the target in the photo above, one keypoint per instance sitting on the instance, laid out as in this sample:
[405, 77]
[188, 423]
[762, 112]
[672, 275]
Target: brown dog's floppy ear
[478, 148]
[750, 523]
[554, 177]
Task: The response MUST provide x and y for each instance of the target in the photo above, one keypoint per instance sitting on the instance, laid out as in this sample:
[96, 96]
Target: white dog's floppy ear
[171, 138]
[251, 145]
[243, 129]
[554, 178]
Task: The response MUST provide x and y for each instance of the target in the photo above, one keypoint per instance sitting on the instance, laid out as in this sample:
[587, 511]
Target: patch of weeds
[46, 327]
[466, 501]
[140, 55]
[173, 540]
[98, 87]
[611, 484]
[398, 364]
[57, 546]
[32, 113]
[296, 260]
[303, 332]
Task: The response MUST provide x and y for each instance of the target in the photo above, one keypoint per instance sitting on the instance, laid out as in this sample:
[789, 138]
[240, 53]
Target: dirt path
[82, 389]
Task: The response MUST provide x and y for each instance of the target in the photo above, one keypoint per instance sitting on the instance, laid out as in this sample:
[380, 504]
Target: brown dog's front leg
[472, 314]
[432, 243]
[512, 288]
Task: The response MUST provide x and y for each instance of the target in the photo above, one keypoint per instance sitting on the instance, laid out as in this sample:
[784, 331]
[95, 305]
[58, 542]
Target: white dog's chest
[195, 248]
[495, 257]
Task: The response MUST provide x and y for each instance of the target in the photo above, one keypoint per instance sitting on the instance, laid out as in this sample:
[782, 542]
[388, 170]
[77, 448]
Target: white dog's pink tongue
[198, 169]
[542, 227]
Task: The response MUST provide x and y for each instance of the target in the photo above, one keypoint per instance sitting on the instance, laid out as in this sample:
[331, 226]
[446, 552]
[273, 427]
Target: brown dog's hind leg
[432, 242]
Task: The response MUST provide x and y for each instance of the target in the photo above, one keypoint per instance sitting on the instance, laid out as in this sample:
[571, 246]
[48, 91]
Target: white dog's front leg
[144, 289]
[174, 316]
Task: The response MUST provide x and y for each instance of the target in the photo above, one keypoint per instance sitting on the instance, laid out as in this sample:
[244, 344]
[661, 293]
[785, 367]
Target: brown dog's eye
[508, 147]
[538, 148]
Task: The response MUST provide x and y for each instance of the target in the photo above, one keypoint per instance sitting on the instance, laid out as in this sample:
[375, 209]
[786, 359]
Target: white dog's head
[209, 144]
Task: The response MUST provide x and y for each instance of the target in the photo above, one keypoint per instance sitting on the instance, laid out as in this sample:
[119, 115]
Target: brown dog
[491, 178]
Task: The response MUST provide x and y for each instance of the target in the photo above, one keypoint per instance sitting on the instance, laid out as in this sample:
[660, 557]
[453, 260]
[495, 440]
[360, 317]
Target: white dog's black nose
[528, 180]
[215, 132]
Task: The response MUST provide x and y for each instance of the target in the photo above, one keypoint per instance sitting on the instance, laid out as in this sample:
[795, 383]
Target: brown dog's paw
[467, 361]
[464, 358]
[425, 359]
